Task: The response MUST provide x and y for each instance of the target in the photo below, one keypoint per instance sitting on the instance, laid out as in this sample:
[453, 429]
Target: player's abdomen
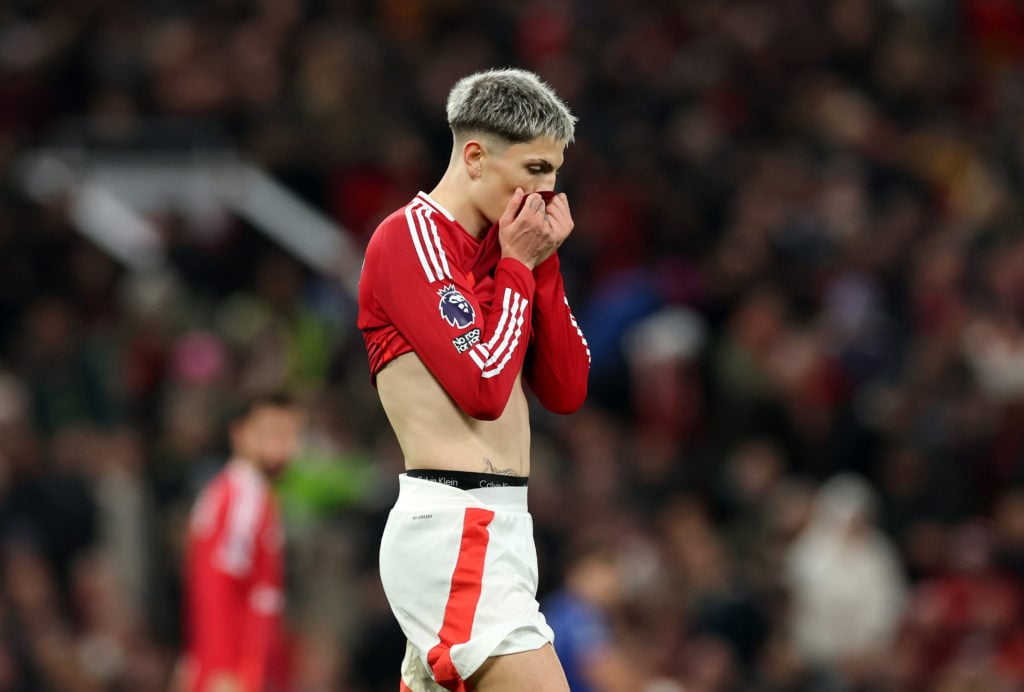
[434, 433]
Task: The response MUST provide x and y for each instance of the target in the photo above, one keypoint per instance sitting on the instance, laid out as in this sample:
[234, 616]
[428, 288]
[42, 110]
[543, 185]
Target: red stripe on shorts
[402, 687]
[462, 599]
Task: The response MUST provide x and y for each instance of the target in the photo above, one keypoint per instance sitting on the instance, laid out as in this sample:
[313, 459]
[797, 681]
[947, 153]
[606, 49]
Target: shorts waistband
[468, 480]
[419, 492]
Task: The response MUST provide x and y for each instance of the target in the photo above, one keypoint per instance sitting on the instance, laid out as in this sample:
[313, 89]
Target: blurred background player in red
[234, 579]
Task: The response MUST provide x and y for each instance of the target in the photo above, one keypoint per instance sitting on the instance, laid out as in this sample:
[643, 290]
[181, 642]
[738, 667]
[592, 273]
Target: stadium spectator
[842, 569]
[581, 615]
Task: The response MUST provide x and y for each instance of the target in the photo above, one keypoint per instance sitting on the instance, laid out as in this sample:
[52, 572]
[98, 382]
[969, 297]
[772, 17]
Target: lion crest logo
[454, 307]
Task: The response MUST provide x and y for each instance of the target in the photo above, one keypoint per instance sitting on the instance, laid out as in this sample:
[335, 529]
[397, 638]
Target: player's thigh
[528, 671]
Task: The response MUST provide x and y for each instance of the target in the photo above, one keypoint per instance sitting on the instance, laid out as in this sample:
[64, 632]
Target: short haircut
[247, 405]
[512, 104]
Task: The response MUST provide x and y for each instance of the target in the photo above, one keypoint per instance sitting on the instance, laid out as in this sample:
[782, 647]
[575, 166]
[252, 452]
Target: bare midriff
[434, 433]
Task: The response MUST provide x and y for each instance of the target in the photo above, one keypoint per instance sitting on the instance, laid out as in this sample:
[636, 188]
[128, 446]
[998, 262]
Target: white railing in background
[110, 196]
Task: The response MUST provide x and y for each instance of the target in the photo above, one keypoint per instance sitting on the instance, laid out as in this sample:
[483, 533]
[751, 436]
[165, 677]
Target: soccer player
[461, 302]
[234, 575]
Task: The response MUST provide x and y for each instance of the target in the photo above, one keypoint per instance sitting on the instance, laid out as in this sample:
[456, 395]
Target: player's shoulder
[242, 476]
[237, 479]
[209, 504]
[389, 236]
[404, 225]
[218, 485]
[396, 220]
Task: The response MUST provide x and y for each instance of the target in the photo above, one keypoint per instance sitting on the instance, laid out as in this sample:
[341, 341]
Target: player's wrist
[523, 261]
[548, 269]
[521, 273]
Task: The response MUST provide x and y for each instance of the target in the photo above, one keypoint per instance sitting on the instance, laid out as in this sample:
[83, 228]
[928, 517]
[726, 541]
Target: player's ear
[473, 158]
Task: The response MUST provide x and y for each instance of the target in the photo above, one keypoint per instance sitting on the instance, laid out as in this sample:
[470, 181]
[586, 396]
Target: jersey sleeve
[218, 601]
[260, 615]
[216, 593]
[559, 361]
[238, 590]
[475, 353]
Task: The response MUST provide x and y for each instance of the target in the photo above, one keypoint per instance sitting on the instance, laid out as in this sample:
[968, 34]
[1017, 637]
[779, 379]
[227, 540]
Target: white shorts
[459, 569]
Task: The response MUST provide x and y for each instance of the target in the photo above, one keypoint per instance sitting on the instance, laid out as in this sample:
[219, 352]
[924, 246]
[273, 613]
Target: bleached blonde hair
[510, 103]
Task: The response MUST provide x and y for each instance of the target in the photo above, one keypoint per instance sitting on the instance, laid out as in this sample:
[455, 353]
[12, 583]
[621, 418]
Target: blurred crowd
[798, 259]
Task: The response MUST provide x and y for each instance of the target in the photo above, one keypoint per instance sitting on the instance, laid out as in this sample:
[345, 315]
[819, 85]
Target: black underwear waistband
[468, 480]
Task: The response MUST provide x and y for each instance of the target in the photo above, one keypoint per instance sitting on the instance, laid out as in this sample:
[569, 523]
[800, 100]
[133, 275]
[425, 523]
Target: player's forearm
[559, 364]
[216, 604]
[475, 350]
[488, 363]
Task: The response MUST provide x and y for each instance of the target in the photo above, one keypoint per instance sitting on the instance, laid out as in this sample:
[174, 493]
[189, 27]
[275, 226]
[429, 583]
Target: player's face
[532, 166]
[269, 438]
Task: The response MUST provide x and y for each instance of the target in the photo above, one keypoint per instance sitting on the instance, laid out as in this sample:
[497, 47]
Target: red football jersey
[234, 580]
[474, 319]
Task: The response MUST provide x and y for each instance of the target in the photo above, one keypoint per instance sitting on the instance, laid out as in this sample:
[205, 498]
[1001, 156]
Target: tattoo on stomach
[490, 468]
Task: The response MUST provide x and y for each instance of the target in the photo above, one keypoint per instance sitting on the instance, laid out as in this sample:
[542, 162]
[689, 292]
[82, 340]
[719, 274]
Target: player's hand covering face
[531, 166]
[537, 229]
